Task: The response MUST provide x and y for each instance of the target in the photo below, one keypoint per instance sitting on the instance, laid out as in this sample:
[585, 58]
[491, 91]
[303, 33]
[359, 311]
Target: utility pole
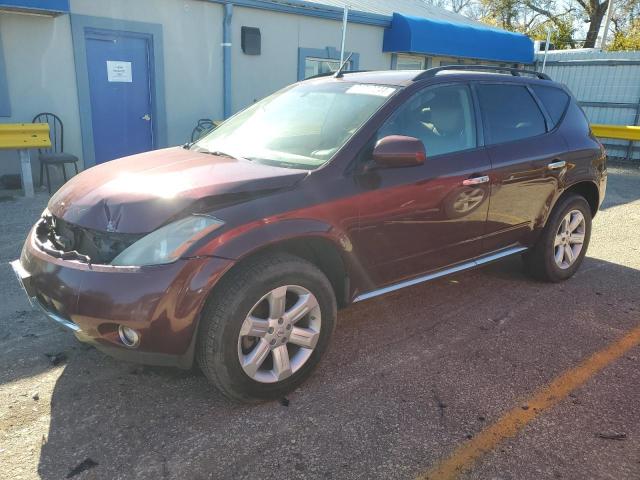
[607, 22]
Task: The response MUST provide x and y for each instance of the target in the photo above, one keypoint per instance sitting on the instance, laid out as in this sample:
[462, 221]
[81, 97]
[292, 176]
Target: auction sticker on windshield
[377, 90]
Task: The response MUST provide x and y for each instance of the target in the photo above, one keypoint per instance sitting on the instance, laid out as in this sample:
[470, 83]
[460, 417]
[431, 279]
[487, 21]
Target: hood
[137, 194]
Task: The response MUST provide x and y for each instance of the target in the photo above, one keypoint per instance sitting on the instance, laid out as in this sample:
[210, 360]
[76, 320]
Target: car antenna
[340, 72]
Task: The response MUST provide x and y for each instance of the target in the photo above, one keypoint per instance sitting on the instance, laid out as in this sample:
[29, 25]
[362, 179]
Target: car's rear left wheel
[265, 327]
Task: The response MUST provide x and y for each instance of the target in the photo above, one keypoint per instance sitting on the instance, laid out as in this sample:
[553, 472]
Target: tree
[627, 39]
[573, 23]
[562, 32]
[595, 10]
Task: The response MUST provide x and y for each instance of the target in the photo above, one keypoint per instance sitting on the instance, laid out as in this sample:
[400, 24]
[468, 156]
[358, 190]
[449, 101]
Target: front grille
[63, 239]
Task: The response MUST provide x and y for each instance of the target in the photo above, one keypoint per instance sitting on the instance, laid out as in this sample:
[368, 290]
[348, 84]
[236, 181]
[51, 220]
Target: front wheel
[265, 327]
[563, 243]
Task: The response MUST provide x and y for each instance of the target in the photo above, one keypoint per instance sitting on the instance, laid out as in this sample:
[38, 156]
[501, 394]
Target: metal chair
[54, 155]
[203, 127]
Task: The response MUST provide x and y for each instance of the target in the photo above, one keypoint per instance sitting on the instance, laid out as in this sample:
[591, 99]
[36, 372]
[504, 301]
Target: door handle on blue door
[476, 180]
[146, 117]
[557, 165]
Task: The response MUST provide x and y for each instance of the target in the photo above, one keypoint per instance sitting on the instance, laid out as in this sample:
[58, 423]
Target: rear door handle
[557, 165]
[476, 180]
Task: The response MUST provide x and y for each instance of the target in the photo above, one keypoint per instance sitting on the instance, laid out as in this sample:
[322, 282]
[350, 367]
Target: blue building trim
[80, 26]
[436, 37]
[330, 53]
[226, 59]
[37, 6]
[300, 7]
[5, 102]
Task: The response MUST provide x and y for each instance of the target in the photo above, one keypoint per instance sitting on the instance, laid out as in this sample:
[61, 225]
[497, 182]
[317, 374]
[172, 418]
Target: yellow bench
[22, 137]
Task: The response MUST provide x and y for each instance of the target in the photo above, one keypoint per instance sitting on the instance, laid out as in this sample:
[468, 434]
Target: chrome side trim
[441, 273]
[54, 316]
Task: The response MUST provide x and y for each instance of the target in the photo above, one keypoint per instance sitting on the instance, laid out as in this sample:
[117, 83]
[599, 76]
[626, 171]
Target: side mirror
[399, 151]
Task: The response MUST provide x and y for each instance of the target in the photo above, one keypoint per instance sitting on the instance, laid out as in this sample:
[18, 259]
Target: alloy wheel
[279, 334]
[569, 239]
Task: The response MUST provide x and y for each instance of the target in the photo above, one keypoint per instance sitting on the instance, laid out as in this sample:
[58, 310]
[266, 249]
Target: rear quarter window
[509, 112]
[555, 101]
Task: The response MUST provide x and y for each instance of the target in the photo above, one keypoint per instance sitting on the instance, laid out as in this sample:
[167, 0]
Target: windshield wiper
[220, 153]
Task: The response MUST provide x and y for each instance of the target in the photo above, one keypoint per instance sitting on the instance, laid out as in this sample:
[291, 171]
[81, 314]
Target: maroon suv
[237, 250]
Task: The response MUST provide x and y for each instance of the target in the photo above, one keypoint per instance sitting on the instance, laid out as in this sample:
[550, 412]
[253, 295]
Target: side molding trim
[441, 273]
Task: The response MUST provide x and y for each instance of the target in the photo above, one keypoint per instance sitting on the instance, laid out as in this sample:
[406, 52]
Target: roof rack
[516, 72]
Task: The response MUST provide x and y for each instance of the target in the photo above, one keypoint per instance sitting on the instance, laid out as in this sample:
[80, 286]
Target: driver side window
[441, 116]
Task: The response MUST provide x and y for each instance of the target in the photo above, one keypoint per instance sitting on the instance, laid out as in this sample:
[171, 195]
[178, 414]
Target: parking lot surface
[411, 379]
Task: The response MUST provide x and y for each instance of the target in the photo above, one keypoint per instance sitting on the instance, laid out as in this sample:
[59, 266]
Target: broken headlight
[167, 243]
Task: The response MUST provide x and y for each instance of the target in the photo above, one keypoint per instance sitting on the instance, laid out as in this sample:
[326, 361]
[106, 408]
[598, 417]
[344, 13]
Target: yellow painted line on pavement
[517, 418]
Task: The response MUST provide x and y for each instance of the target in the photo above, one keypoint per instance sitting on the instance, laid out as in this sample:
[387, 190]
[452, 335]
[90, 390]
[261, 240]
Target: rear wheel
[265, 327]
[563, 244]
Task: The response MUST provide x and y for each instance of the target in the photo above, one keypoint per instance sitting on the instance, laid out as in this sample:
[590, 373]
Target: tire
[540, 261]
[252, 288]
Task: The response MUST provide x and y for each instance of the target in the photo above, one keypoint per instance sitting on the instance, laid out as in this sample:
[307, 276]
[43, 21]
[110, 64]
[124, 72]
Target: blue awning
[437, 37]
[52, 7]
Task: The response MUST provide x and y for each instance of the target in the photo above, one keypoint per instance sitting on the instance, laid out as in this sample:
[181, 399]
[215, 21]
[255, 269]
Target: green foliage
[562, 32]
[627, 39]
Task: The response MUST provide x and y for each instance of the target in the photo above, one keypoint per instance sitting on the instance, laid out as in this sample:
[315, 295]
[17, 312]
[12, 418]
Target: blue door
[119, 67]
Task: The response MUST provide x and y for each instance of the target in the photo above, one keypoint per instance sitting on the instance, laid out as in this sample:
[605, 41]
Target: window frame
[486, 137]
[544, 108]
[349, 65]
[327, 53]
[479, 140]
[409, 56]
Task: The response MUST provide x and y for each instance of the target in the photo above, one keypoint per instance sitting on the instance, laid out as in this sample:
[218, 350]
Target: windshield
[302, 126]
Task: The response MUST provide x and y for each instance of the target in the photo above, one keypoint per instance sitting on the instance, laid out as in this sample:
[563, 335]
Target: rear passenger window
[509, 113]
[554, 100]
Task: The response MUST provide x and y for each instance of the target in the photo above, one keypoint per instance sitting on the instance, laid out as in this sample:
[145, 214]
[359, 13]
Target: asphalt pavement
[411, 381]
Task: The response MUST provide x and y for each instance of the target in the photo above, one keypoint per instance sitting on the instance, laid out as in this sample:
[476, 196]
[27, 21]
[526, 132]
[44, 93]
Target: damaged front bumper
[24, 278]
[162, 303]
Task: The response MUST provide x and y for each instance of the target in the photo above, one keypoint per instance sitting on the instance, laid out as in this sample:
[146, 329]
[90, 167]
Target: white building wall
[41, 77]
[256, 76]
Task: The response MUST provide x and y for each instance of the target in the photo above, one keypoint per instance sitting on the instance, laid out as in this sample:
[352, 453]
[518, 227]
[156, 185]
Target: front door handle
[476, 180]
[146, 117]
[557, 165]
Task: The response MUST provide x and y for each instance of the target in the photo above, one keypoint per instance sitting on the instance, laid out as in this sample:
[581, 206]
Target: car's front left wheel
[265, 327]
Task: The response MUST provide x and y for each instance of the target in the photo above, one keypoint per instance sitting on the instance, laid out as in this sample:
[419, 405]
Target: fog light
[128, 336]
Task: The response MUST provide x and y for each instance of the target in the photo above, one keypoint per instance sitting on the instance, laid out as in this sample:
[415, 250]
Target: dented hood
[137, 194]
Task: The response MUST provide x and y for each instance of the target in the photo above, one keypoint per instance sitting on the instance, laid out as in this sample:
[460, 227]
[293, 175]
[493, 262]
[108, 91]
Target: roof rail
[516, 72]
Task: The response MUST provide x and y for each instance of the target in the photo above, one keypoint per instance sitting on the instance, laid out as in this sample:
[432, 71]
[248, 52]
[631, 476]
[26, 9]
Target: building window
[317, 66]
[316, 61]
[410, 62]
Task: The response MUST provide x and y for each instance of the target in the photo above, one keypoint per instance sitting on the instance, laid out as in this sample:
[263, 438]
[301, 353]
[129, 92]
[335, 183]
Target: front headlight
[167, 243]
